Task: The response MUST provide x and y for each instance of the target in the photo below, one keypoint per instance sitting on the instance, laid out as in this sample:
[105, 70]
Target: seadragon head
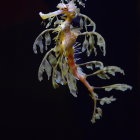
[66, 7]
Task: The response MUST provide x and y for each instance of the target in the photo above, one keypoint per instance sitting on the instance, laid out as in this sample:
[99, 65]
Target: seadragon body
[59, 62]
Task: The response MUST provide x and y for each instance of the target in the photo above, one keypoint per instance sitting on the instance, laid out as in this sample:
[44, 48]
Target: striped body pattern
[59, 62]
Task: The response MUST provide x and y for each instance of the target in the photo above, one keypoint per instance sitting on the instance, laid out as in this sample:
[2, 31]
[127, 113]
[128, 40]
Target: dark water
[27, 103]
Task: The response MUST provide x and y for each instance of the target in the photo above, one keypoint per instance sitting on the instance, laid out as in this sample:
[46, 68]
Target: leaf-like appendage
[64, 70]
[81, 3]
[40, 73]
[112, 69]
[92, 64]
[101, 43]
[122, 87]
[109, 69]
[86, 21]
[103, 75]
[50, 22]
[59, 78]
[91, 43]
[38, 42]
[48, 69]
[72, 84]
[55, 85]
[85, 44]
[98, 64]
[52, 59]
[89, 66]
[57, 22]
[44, 66]
[47, 39]
[81, 23]
[97, 115]
[107, 100]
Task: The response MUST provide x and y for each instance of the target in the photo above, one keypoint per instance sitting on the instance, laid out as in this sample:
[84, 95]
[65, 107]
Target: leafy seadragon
[59, 62]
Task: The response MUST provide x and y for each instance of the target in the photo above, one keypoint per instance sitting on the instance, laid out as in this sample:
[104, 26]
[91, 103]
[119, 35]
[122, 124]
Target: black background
[27, 103]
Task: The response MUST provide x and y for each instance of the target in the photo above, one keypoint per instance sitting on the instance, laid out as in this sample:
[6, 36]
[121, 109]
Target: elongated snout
[51, 14]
